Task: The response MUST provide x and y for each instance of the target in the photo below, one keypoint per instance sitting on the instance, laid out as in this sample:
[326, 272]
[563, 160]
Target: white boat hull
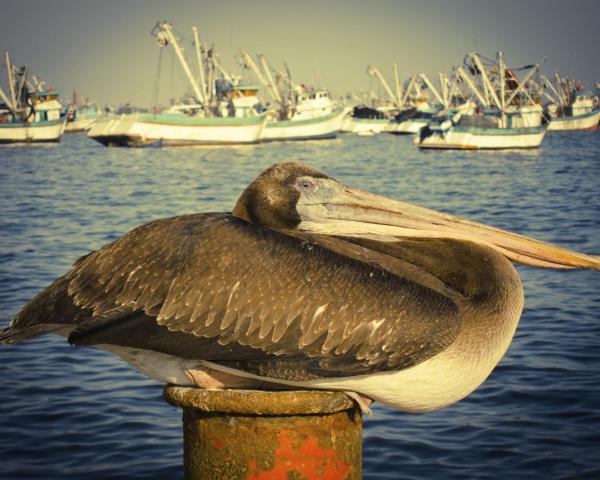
[410, 126]
[80, 125]
[588, 121]
[176, 130]
[47, 131]
[364, 125]
[470, 138]
[311, 129]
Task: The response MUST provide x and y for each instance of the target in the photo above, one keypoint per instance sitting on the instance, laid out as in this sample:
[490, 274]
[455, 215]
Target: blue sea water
[80, 413]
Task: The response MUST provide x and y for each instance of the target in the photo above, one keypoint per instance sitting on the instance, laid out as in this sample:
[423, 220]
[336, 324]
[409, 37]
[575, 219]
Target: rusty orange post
[260, 435]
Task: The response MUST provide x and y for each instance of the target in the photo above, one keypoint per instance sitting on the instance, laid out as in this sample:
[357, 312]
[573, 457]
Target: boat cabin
[583, 103]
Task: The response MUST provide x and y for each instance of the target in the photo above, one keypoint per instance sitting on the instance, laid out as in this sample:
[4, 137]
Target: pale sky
[103, 48]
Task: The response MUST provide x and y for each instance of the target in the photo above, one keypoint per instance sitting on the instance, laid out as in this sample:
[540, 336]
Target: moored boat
[22, 131]
[474, 138]
[511, 118]
[365, 120]
[411, 121]
[409, 110]
[81, 117]
[583, 113]
[176, 129]
[29, 113]
[300, 112]
[220, 111]
[584, 122]
[360, 125]
[317, 128]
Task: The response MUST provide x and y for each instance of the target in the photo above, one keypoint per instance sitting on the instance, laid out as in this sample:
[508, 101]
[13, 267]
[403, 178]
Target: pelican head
[295, 196]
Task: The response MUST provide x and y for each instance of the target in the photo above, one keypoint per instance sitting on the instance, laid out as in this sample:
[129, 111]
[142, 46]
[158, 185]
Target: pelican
[307, 283]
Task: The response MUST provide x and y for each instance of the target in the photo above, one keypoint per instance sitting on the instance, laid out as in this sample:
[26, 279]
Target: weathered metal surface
[258, 402]
[259, 435]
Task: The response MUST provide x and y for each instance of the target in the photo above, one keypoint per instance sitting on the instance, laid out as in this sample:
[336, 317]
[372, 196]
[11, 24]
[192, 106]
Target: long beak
[345, 211]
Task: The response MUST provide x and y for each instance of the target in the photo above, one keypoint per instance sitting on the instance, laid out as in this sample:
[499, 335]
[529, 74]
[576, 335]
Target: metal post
[253, 434]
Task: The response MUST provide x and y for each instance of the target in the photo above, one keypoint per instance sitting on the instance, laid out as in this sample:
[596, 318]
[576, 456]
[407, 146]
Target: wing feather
[290, 306]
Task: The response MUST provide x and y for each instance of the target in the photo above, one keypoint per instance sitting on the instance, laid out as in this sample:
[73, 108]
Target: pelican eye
[305, 184]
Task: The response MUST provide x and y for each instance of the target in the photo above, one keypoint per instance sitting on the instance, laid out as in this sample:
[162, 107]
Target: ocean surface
[79, 413]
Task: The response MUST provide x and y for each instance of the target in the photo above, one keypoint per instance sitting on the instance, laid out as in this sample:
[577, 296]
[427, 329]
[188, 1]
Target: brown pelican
[307, 283]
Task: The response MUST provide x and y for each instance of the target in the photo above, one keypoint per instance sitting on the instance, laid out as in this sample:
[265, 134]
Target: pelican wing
[261, 300]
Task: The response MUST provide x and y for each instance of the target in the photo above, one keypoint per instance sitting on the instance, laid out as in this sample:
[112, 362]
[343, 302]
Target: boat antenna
[156, 87]
[318, 77]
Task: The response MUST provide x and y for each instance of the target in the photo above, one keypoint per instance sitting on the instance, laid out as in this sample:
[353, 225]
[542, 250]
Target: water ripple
[76, 413]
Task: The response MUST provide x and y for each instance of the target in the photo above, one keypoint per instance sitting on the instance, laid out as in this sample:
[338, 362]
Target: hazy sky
[103, 48]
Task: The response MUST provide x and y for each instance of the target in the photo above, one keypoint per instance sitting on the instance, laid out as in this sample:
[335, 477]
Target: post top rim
[258, 402]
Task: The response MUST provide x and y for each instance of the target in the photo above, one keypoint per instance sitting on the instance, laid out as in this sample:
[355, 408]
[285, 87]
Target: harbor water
[80, 413]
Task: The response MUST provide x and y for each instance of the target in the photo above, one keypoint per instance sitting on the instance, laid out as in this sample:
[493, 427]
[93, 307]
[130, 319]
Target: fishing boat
[29, 112]
[301, 112]
[218, 114]
[381, 116]
[365, 120]
[569, 107]
[410, 108]
[361, 125]
[317, 128]
[419, 110]
[510, 118]
[175, 129]
[582, 113]
[411, 120]
[313, 118]
[472, 134]
[81, 115]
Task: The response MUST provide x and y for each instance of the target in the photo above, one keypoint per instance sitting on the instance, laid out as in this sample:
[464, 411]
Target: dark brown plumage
[249, 294]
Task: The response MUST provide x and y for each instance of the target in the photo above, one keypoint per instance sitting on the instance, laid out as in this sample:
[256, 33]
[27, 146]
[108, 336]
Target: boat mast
[11, 81]
[560, 84]
[548, 84]
[272, 84]
[460, 73]
[249, 63]
[521, 87]
[486, 81]
[541, 87]
[210, 69]
[288, 76]
[373, 71]
[291, 86]
[411, 82]
[444, 87]
[398, 86]
[500, 61]
[432, 89]
[200, 65]
[165, 36]
[418, 92]
[452, 86]
[224, 72]
[37, 84]
[318, 72]
[22, 83]
[6, 100]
